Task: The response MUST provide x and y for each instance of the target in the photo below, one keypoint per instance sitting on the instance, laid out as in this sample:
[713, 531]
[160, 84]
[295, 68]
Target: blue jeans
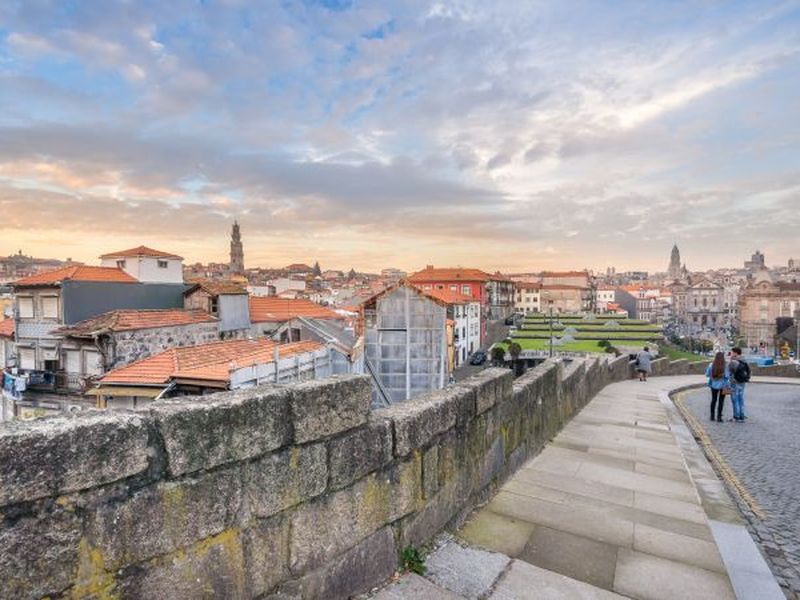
[737, 400]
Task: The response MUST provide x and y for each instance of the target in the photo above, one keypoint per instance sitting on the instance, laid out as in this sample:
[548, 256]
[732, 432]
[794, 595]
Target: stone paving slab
[466, 571]
[524, 581]
[414, 587]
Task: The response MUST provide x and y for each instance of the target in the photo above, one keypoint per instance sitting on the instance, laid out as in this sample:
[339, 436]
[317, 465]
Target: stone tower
[674, 271]
[237, 251]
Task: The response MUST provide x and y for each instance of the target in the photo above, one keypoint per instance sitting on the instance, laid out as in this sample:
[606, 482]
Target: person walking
[718, 380]
[643, 363]
[739, 376]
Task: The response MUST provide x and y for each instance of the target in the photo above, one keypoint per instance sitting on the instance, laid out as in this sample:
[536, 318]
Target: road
[763, 453]
[495, 331]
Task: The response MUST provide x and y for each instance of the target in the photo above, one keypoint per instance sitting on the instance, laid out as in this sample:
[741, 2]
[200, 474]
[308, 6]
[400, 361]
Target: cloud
[449, 126]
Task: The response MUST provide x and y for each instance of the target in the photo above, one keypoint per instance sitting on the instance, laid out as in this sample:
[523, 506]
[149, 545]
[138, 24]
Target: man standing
[740, 375]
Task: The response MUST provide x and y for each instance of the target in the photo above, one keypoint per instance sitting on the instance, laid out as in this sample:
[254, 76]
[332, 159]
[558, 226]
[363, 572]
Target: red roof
[449, 296]
[273, 309]
[431, 274]
[141, 251]
[129, 319]
[207, 362]
[528, 285]
[298, 268]
[7, 328]
[77, 273]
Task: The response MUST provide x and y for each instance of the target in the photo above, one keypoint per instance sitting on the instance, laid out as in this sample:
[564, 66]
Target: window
[214, 304]
[27, 358]
[466, 290]
[121, 264]
[25, 307]
[427, 286]
[453, 287]
[72, 361]
[439, 286]
[162, 264]
[50, 307]
[93, 363]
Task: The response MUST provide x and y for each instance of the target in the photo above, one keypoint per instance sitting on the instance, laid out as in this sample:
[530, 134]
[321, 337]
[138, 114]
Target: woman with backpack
[719, 382]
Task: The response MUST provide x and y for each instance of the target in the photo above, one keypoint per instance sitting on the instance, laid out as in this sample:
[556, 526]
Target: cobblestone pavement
[763, 452]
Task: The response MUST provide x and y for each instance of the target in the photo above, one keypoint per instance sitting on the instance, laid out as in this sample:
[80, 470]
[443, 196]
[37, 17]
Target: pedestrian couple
[728, 379]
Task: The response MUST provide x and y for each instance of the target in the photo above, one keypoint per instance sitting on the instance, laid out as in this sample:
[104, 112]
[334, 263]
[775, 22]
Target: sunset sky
[501, 135]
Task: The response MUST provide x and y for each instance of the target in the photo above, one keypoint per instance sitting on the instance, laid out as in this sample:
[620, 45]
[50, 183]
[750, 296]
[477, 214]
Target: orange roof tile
[141, 251]
[528, 285]
[273, 309]
[7, 328]
[449, 296]
[430, 274]
[207, 362]
[129, 319]
[77, 273]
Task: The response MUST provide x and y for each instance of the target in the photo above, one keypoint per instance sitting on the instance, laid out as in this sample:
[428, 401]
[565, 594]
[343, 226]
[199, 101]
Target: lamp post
[550, 311]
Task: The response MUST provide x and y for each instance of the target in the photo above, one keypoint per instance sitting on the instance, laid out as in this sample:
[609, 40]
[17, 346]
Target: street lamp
[550, 311]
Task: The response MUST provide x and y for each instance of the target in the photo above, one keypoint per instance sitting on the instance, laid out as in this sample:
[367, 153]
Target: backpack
[742, 372]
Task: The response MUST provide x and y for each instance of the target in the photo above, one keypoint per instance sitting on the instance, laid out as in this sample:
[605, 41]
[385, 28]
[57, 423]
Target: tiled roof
[528, 285]
[7, 328]
[273, 309]
[77, 273]
[127, 320]
[565, 274]
[299, 267]
[449, 296]
[207, 362]
[216, 288]
[141, 251]
[430, 274]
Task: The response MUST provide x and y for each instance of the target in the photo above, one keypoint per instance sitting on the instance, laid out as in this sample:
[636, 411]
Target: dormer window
[121, 264]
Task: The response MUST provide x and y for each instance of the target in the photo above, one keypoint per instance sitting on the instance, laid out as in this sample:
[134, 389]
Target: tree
[316, 271]
[498, 354]
[352, 274]
[514, 349]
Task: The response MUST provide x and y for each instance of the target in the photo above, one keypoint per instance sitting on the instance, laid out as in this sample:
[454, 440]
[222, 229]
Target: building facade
[761, 303]
[528, 297]
[146, 265]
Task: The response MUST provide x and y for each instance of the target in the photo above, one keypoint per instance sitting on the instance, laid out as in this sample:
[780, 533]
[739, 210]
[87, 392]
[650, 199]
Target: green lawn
[676, 354]
[578, 346]
[615, 335]
[592, 328]
[577, 322]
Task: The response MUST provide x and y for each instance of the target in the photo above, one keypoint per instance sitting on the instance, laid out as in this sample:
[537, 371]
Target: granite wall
[290, 492]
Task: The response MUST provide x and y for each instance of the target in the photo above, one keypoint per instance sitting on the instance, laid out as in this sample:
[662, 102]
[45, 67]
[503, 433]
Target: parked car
[478, 357]
[512, 319]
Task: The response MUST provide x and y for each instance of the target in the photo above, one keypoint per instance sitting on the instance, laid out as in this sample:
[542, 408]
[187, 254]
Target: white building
[605, 295]
[146, 265]
[465, 314]
[528, 297]
[284, 284]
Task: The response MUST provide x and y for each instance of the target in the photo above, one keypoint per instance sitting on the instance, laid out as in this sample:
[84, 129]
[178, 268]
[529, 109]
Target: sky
[503, 135]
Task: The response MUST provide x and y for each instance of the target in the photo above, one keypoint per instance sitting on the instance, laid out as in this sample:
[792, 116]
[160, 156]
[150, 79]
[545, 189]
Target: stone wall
[289, 492]
[129, 346]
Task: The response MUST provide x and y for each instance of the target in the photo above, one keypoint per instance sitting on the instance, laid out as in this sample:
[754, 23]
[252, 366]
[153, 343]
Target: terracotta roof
[563, 287]
[528, 285]
[207, 362]
[449, 296]
[298, 267]
[565, 274]
[498, 276]
[216, 288]
[129, 319]
[77, 273]
[272, 309]
[7, 328]
[141, 251]
[430, 274]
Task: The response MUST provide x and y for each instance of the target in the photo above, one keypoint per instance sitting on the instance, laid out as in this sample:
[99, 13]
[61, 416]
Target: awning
[146, 392]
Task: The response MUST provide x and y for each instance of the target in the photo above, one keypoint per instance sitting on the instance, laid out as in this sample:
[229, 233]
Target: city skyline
[376, 135]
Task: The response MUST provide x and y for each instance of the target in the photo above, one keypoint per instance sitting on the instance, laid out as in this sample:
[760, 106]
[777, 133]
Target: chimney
[429, 267]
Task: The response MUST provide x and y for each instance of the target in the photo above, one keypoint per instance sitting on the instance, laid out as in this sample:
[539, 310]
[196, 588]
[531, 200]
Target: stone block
[414, 587]
[418, 421]
[430, 471]
[324, 408]
[213, 568]
[50, 457]
[324, 528]
[361, 568]
[359, 452]
[222, 428]
[491, 386]
[265, 544]
[468, 572]
[283, 479]
[38, 554]
[163, 518]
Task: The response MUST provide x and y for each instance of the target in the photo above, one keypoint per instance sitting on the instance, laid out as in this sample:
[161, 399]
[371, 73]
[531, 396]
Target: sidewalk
[620, 504]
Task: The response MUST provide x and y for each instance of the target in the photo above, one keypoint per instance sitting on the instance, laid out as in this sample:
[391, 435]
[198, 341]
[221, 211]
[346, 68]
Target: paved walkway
[621, 504]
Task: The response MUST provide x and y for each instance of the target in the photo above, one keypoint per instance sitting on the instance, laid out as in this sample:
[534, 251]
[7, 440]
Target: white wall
[146, 269]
